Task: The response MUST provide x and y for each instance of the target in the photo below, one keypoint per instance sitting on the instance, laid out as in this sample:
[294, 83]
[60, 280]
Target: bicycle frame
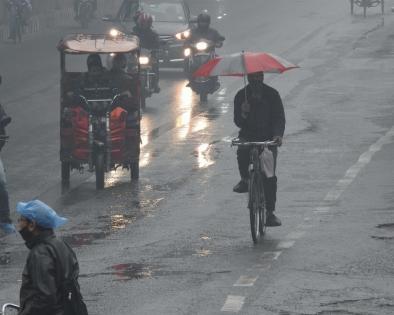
[256, 202]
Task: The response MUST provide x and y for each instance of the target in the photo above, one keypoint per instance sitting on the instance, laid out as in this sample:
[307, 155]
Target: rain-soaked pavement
[178, 241]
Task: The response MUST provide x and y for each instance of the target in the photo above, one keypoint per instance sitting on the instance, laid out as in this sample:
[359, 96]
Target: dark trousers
[270, 184]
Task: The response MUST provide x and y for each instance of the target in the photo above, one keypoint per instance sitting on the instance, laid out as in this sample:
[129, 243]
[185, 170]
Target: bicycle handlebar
[265, 144]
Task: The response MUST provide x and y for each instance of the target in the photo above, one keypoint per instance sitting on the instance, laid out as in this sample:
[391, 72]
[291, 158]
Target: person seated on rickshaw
[124, 83]
[96, 76]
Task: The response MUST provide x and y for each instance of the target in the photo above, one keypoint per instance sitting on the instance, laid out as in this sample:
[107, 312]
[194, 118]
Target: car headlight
[201, 46]
[183, 35]
[144, 60]
[187, 52]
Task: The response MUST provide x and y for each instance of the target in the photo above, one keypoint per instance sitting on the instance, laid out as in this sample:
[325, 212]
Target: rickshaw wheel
[135, 170]
[65, 172]
[99, 167]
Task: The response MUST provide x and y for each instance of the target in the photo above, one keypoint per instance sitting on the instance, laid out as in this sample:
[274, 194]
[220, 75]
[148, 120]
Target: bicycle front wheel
[256, 210]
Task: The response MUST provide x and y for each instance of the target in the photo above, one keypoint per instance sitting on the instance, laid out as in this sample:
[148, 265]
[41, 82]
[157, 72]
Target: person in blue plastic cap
[49, 263]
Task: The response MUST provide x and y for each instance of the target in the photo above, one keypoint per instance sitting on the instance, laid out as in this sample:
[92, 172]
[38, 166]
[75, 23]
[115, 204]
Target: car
[171, 20]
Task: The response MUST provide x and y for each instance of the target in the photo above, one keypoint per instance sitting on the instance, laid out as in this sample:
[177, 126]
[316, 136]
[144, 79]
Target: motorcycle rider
[149, 40]
[5, 221]
[77, 3]
[259, 114]
[204, 31]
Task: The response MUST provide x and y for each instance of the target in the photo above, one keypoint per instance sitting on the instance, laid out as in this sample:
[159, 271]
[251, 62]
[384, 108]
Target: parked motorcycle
[196, 55]
[148, 76]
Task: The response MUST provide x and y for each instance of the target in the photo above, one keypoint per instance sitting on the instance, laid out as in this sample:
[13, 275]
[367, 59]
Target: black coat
[149, 39]
[266, 118]
[40, 293]
[209, 34]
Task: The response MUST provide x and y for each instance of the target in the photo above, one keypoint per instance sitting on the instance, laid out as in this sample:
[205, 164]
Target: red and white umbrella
[241, 64]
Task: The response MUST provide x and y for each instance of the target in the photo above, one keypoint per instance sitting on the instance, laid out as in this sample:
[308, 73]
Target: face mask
[26, 234]
[255, 84]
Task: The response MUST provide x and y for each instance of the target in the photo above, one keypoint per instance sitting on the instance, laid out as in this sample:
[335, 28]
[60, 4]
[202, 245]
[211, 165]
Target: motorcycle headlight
[201, 46]
[187, 52]
[144, 60]
[183, 35]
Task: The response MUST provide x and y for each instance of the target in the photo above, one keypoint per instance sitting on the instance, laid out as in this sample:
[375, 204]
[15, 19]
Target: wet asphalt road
[178, 242]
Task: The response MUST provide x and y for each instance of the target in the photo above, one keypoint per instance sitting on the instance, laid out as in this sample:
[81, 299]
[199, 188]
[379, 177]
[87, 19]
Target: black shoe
[241, 187]
[272, 220]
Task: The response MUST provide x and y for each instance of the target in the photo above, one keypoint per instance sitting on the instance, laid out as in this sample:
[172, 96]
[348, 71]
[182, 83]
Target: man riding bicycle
[259, 114]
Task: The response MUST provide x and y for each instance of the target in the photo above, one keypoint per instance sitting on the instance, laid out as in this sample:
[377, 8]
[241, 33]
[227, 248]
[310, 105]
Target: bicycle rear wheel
[256, 210]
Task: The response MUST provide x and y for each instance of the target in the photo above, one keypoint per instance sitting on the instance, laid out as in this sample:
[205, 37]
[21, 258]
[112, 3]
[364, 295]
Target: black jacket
[209, 34]
[40, 293]
[266, 118]
[149, 39]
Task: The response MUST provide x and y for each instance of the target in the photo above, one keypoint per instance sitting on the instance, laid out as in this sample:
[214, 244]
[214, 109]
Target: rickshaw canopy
[98, 43]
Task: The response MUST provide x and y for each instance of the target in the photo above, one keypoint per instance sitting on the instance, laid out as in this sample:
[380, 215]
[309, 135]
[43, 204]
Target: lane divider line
[246, 281]
[233, 303]
[335, 193]
[285, 244]
[295, 235]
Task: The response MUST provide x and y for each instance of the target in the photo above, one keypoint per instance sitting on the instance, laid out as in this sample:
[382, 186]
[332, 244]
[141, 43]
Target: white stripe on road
[335, 193]
[233, 303]
[245, 281]
[295, 235]
[285, 244]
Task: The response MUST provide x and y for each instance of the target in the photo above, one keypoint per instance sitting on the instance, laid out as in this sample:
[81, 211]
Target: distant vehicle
[365, 4]
[172, 21]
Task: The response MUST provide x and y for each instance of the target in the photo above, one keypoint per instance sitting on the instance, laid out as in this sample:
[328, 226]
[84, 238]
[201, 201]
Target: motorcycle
[85, 12]
[196, 55]
[148, 76]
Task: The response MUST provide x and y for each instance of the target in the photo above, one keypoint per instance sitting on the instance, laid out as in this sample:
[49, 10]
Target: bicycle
[256, 200]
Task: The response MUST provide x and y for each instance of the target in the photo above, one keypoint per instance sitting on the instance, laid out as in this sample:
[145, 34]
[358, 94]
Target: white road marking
[233, 303]
[245, 281]
[295, 235]
[277, 254]
[285, 244]
[335, 193]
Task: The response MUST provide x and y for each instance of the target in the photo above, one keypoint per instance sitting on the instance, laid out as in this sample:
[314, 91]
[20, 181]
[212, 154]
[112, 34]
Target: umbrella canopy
[241, 64]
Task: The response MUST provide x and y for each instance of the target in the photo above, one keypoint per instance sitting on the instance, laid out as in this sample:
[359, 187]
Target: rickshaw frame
[103, 44]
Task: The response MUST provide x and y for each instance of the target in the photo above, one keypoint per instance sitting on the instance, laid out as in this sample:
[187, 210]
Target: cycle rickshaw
[100, 122]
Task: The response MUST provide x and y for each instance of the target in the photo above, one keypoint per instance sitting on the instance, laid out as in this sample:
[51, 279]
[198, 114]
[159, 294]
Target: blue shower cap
[41, 213]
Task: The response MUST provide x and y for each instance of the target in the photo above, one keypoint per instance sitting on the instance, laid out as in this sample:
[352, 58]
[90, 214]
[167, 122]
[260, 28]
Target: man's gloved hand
[278, 140]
